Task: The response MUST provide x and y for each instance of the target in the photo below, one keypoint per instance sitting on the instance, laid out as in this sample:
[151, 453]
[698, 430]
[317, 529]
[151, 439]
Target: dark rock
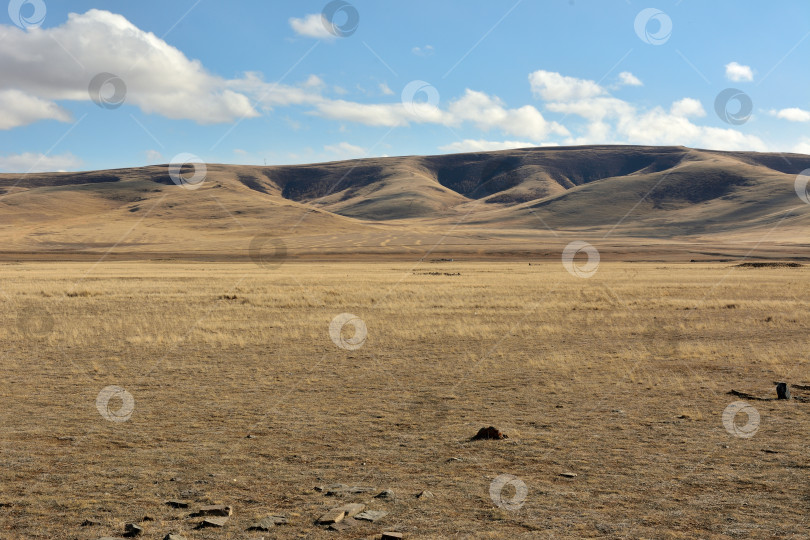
[489, 433]
[177, 504]
[174, 536]
[387, 494]
[90, 523]
[131, 529]
[782, 391]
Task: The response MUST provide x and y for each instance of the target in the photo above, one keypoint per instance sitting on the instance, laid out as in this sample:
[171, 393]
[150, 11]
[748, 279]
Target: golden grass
[620, 378]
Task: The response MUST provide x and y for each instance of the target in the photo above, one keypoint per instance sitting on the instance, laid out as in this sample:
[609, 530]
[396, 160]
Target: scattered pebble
[424, 495]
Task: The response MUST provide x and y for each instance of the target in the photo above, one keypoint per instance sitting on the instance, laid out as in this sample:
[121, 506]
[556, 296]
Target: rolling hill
[631, 201]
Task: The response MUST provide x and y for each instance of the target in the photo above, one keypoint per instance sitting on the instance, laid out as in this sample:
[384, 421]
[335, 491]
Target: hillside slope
[479, 202]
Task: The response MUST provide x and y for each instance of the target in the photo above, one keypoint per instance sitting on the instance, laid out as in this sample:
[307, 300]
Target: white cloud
[553, 86]
[628, 79]
[481, 145]
[484, 111]
[19, 109]
[794, 114]
[312, 26]
[153, 157]
[30, 162]
[611, 120]
[802, 147]
[427, 50]
[738, 72]
[240, 152]
[313, 81]
[159, 78]
[687, 107]
[386, 90]
[345, 150]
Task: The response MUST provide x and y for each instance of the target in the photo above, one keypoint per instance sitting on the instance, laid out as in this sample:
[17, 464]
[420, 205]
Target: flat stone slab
[353, 509]
[387, 494]
[215, 521]
[346, 524]
[371, 515]
[215, 510]
[334, 515]
[341, 489]
[267, 523]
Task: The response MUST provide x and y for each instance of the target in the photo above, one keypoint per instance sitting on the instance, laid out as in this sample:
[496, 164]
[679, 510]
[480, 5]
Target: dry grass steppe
[241, 397]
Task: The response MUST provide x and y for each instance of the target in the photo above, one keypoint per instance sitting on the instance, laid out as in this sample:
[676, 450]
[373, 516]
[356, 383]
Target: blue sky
[249, 81]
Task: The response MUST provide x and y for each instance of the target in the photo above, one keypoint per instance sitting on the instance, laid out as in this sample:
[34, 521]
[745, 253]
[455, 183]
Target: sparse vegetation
[610, 391]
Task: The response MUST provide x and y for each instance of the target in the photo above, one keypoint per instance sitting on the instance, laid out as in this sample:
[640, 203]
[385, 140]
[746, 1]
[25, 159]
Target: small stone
[174, 536]
[215, 510]
[425, 495]
[131, 529]
[335, 515]
[371, 515]
[387, 494]
[90, 523]
[569, 474]
[490, 432]
[347, 523]
[391, 536]
[148, 518]
[219, 521]
[267, 523]
[782, 391]
[353, 509]
[177, 504]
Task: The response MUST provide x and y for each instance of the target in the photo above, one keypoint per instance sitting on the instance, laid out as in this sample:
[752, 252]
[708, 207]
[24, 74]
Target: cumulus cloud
[802, 147]
[19, 109]
[553, 86]
[30, 162]
[58, 63]
[738, 72]
[345, 150]
[311, 26]
[610, 120]
[793, 114]
[628, 79]
[481, 145]
[482, 110]
[687, 107]
[386, 90]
